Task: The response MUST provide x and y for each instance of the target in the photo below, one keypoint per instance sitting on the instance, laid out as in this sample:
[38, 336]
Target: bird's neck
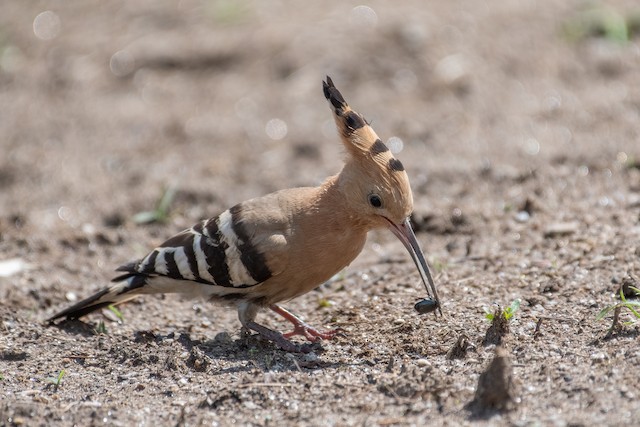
[336, 195]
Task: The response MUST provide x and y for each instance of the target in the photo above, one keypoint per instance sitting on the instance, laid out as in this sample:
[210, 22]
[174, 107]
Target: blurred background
[103, 105]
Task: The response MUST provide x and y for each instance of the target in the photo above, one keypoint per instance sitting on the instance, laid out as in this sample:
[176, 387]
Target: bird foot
[311, 333]
[279, 339]
[301, 328]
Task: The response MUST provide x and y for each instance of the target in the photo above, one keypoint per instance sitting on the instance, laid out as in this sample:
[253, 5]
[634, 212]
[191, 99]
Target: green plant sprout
[161, 212]
[324, 303]
[230, 11]
[117, 312]
[631, 162]
[57, 380]
[101, 329]
[507, 313]
[616, 308]
[439, 266]
[601, 21]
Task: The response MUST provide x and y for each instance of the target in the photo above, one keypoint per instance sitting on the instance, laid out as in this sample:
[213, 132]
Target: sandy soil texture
[522, 141]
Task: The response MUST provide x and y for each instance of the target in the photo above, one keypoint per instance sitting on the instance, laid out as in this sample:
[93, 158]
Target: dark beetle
[426, 305]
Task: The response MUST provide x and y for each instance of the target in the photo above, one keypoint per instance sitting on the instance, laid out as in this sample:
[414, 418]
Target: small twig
[536, 332]
[340, 385]
[295, 362]
[69, 406]
[246, 385]
[616, 322]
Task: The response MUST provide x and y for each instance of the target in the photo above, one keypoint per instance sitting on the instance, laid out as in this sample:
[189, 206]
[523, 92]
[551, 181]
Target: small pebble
[561, 229]
[523, 216]
[422, 362]
[310, 357]
[250, 405]
[223, 337]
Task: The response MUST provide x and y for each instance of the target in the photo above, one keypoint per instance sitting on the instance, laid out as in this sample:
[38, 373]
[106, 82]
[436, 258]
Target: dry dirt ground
[522, 146]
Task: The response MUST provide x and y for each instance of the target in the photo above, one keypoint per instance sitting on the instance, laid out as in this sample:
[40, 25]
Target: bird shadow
[260, 353]
[478, 412]
[75, 327]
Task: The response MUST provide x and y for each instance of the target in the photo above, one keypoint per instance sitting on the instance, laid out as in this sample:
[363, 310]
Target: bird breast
[307, 240]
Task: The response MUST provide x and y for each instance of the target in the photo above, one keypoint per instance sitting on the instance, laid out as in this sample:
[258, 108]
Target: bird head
[374, 182]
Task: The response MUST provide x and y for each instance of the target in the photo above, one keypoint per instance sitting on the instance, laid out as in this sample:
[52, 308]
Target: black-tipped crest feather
[333, 95]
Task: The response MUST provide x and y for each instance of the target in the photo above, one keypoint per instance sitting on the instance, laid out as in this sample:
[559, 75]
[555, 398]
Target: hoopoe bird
[277, 247]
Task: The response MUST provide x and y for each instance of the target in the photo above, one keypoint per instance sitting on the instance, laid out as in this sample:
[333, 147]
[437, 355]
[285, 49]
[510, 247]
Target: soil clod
[198, 361]
[498, 329]
[460, 348]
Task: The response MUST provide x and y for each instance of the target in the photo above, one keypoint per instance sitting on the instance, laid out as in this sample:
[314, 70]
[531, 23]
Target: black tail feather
[114, 294]
[130, 267]
[83, 307]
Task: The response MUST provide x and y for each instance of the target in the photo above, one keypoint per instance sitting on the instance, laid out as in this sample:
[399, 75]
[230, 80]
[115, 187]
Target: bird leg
[302, 328]
[247, 312]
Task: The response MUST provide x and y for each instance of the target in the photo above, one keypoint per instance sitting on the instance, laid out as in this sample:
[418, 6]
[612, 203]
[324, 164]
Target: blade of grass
[117, 312]
[161, 211]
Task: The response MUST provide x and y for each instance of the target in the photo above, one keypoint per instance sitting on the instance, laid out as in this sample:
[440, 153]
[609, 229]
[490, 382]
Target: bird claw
[312, 334]
[301, 328]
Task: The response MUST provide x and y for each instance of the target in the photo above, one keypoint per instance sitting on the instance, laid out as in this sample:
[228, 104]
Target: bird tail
[127, 286]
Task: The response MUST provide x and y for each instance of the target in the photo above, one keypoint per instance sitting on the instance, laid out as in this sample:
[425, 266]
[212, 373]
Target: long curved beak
[404, 232]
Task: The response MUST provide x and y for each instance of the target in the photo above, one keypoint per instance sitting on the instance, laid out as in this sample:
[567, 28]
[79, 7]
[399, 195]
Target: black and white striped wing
[217, 252]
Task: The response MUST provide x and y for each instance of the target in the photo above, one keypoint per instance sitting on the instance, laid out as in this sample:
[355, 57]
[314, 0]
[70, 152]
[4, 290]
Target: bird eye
[375, 200]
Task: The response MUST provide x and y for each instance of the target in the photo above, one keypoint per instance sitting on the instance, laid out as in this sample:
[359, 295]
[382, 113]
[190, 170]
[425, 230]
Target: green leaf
[56, 381]
[511, 310]
[488, 315]
[630, 305]
[166, 200]
[161, 211]
[603, 313]
[117, 312]
[146, 217]
[624, 303]
[101, 328]
[599, 21]
[324, 303]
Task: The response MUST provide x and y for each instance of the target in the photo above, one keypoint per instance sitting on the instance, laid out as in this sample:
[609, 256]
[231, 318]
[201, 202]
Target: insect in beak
[404, 232]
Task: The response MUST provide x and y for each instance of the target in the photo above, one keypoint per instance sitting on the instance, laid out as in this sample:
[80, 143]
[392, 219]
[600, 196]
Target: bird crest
[368, 157]
[358, 137]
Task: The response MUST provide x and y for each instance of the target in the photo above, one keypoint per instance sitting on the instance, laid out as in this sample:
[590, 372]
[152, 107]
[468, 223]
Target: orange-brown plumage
[277, 247]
